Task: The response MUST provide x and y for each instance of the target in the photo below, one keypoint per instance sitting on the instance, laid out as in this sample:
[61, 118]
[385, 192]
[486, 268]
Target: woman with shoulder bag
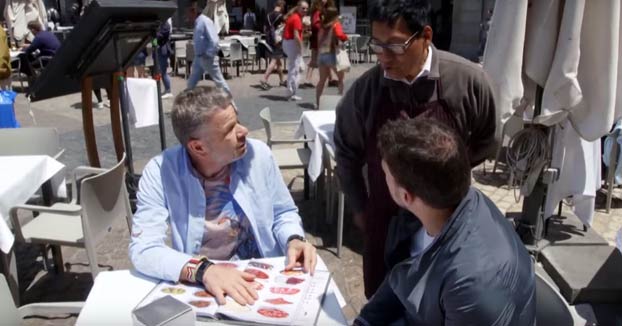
[329, 37]
[273, 22]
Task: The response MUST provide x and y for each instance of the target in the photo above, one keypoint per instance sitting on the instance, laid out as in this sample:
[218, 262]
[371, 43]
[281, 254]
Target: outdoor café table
[245, 40]
[115, 294]
[15, 54]
[20, 178]
[317, 126]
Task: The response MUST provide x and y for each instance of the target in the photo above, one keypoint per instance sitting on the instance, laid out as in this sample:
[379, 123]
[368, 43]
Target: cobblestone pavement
[64, 113]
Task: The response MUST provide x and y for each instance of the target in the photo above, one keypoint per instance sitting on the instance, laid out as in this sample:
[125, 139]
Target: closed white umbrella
[570, 48]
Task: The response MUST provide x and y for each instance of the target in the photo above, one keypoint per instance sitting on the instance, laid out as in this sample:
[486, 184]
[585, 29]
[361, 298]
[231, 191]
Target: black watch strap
[205, 264]
[296, 237]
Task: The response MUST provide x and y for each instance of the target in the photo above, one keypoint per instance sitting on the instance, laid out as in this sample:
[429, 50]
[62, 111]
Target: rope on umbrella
[526, 156]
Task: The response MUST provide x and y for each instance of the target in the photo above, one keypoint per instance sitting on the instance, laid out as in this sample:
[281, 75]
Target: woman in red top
[292, 46]
[317, 7]
[328, 43]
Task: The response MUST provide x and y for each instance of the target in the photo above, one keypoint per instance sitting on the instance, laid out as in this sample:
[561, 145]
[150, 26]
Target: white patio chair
[30, 141]
[286, 158]
[551, 307]
[189, 58]
[11, 315]
[251, 57]
[236, 55]
[17, 74]
[103, 199]
[329, 102]
[180, 57]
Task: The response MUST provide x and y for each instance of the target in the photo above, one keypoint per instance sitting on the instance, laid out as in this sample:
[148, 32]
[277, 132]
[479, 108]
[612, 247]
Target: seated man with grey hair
[223, 197]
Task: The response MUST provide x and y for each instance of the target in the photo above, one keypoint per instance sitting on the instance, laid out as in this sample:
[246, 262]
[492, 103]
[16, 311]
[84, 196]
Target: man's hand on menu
[221, 281]
[301, 253]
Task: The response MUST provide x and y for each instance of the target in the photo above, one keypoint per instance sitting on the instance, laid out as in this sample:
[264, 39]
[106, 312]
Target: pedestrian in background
[162, 53]
[273, 21]
[292, 46]
[249, 19]
[329, 38]
[317, 7]
[206, 48]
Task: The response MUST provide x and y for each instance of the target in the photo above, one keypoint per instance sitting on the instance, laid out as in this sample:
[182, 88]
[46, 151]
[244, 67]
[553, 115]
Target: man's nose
[242, 131]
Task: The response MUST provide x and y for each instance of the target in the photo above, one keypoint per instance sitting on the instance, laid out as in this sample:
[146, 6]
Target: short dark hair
[415, 13]
[34, 25]
[426, 158]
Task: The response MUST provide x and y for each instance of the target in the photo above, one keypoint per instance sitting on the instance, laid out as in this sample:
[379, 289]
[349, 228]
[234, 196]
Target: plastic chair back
[329, 102]
[235, 51]
[8, 310]
[266, 118]
[180, 49]
[189, 50]
[103, 199]
[551, 308]
[30, 141]
[252, 49]
[362, 43]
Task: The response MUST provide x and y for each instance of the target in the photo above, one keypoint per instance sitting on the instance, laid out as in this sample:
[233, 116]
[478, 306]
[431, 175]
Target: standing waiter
[413, 79]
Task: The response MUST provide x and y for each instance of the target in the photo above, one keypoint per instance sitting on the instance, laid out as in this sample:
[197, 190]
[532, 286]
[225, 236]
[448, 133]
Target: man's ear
[196, 147]
[406, 196]
[427, 33]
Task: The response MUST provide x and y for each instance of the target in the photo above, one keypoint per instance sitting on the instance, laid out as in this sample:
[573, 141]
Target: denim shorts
[327, 59]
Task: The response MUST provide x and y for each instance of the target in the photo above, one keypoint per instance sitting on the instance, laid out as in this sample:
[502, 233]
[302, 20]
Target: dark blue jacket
[475, 272]
[46, 42]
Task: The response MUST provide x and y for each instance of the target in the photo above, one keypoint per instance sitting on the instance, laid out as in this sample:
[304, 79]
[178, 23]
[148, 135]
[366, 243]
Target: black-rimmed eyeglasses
[395, 48]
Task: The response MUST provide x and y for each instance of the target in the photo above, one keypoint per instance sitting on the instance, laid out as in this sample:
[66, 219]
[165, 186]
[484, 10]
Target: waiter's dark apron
[381, 207]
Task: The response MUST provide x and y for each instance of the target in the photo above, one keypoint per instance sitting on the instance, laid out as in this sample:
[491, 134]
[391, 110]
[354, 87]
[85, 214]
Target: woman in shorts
[329, 37]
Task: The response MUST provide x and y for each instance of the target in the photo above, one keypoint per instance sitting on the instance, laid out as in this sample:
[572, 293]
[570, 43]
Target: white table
[115, 294]
[245, 40]
[15, 54]
[21, 177]
[319, 127]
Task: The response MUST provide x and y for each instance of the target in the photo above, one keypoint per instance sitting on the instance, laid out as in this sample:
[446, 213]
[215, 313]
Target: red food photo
[293, 272]
[203, 294]
[294, 280]
[284, 290]
[278, 301]
[257, 273]
[232, 265]
[200, 303]
[272, 312]
[260, 265]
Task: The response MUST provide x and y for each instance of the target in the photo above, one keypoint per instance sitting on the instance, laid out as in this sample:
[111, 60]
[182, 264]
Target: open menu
[285, 297]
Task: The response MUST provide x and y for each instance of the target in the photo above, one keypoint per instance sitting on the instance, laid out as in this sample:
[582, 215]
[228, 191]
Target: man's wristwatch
[205, 264]
[296, 237]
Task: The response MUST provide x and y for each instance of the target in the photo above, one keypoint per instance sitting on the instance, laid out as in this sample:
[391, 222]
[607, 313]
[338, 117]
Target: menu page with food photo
[285, 297]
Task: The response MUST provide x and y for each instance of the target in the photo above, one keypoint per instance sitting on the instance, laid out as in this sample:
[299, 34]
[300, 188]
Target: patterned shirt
[227, 231]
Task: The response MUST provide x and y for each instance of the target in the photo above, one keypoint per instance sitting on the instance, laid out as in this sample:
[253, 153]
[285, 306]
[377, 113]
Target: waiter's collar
[427, 68]
[430, 70]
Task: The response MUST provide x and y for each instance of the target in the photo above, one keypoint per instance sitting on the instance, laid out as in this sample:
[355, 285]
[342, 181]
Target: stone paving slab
[64, 114]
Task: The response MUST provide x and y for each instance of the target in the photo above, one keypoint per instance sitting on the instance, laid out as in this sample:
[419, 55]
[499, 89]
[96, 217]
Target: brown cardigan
[466, 89]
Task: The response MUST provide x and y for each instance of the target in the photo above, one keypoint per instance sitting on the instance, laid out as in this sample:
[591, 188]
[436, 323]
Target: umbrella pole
[530, 225]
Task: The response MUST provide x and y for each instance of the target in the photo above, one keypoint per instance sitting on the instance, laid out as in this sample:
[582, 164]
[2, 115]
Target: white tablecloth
[20, 177]
[318, 126]
[15, 54]
[115, 294]
[245, 40]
